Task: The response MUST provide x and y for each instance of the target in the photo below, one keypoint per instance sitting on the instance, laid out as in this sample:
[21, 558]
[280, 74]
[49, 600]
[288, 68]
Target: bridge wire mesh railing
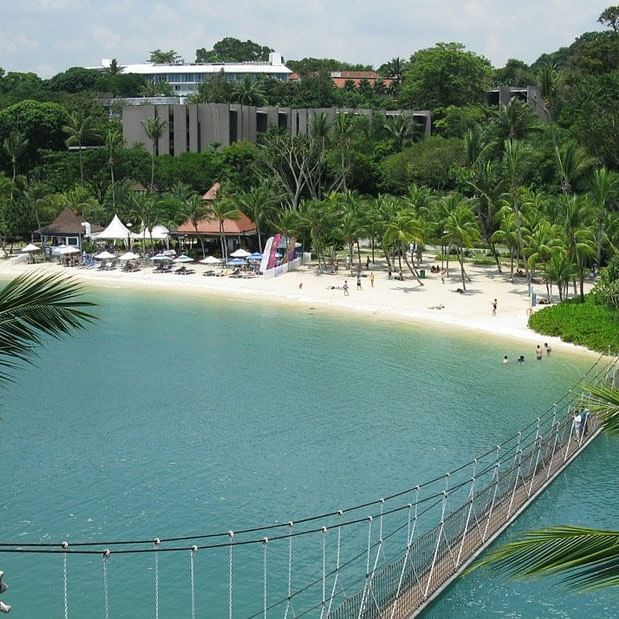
[382, 558]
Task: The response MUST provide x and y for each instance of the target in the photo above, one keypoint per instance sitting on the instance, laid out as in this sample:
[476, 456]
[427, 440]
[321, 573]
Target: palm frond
[589, 558]
[604, 402]
[34, 305]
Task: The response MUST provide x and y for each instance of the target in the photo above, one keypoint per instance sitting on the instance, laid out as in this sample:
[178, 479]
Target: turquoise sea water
[182, 415]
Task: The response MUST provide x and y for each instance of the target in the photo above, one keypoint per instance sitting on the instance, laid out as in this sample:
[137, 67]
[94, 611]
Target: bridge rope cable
[532, 428]
[360, 555]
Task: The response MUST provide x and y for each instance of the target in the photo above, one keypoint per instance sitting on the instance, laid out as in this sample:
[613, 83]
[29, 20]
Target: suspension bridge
[386, 558]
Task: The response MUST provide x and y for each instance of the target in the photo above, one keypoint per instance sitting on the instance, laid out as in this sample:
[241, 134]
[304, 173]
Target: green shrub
[585, 323]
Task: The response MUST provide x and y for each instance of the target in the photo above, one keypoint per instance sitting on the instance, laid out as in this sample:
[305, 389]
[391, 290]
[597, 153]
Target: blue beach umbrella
[255, 257]
[236, 262]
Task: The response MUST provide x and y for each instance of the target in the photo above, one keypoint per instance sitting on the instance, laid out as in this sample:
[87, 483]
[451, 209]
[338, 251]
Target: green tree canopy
[610, 17]
[514, 73]
[306, 66]
[444, 75]
[76, 79]
[230, 49]
[40, 123]
[158, 56]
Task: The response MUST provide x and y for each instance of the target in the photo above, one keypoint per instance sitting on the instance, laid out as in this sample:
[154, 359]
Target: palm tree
[314, 220]
[405, 228]
[548, 82]
[573, 163]
[559, 269]
[394, 69]
[257, 204]
[507, 234]
[342, 131]
[146, 209]
[461, 230]
[14, 145]
[515, 120]
[488, 187]
[154, 128]
[588, 557]
[515, 161]
[221, 209]
[34, 305]
[399, 129]
[576, 218]
[604, 190]
[197, 209]
[113, 141]
[80, 128]
[115, 68]
[249, 91]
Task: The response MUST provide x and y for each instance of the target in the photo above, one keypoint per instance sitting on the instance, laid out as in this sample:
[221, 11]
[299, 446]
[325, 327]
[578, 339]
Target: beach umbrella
[236, 262]
[69, 249]
[211, 260]
[161, 258]
[129, 255]
[105, 255]
[30, 247]
[255, 257]
[240, 253]
[183, 259]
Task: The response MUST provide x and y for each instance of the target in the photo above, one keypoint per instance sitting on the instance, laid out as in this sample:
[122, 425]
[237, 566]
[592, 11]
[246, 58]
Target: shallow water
[182, 415]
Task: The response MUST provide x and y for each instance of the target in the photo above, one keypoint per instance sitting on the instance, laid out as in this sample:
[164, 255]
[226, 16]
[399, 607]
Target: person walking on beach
[367, 264]
[345, 288]
[358, 282]
[372, 279]
[494, 304]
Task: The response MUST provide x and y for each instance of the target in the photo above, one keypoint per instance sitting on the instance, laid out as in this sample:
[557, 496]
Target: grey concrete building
[194, 127]
[502, 95]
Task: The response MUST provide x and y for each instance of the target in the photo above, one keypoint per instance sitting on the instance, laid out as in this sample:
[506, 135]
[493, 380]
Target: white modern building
[185, 78]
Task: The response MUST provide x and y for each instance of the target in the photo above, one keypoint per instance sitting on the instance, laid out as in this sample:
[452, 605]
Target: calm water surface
[176, 416]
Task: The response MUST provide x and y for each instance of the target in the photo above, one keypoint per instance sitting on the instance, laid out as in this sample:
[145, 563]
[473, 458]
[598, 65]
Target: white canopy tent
[157, 233]
[116, 231]
[30, 247]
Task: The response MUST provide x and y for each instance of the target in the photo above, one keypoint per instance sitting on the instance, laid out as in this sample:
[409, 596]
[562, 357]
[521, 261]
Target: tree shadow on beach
[408, 289]
[469, 292]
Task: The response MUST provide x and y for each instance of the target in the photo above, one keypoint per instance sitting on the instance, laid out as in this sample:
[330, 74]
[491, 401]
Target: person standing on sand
[345, 288]
[372, 279]
[494, 304]
[367, 264]
[358, 282]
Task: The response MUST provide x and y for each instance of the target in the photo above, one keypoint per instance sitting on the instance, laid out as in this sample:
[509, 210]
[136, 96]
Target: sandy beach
[435, 302]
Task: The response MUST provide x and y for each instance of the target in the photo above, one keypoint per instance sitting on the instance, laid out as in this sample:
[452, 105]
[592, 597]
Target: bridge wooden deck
[456, 554]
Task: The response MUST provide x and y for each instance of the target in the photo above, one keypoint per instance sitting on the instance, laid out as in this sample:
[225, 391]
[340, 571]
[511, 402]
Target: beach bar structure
[233, 229]
[67, 229]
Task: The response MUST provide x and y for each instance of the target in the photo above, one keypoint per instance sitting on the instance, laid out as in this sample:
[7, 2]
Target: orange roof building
[243, 226]
[339, 78]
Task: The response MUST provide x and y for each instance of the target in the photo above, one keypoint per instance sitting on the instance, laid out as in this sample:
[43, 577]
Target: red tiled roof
[232, 227]
[339, 78]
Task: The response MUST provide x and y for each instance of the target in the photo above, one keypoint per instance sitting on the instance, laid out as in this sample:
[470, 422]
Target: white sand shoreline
[390, 300]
